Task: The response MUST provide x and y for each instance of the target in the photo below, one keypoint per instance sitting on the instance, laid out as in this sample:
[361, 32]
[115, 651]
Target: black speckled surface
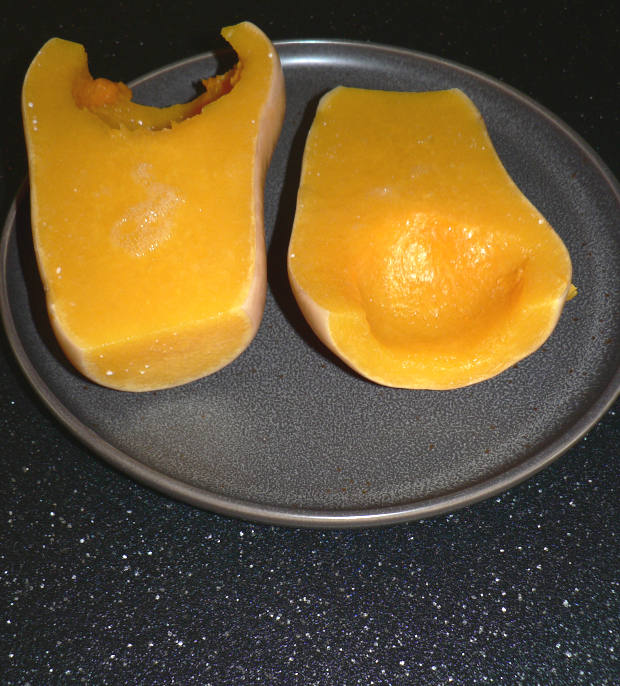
[106, 582]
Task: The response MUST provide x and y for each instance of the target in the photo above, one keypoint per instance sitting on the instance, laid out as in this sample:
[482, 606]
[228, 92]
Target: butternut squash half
[414, 256]
[147, 222]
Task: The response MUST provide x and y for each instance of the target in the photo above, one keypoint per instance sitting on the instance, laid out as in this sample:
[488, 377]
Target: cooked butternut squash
[414, 256]
[148, 222]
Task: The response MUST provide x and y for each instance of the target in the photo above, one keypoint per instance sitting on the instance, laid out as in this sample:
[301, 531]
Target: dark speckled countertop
[104, 581]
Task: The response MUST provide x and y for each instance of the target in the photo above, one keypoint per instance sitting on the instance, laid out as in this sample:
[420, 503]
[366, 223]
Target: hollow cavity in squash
[148, 222]
[414, 256]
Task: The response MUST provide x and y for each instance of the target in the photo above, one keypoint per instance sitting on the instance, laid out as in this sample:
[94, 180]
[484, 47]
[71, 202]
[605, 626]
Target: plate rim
[304, 517]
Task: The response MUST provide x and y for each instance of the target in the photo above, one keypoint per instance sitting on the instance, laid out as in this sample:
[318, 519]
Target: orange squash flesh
[414, 256]
[113, 104]
[148, 222]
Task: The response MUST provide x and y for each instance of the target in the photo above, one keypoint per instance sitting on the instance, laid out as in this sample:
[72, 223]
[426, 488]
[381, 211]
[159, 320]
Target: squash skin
[355, 183]
[195, 287]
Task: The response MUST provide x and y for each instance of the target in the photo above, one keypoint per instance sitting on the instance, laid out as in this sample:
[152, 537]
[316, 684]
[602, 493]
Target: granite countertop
[105, 581]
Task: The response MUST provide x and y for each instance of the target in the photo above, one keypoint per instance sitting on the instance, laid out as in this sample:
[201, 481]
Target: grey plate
[286, 434]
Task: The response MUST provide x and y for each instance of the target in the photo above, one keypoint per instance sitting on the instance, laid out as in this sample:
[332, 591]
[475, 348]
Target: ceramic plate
[287, 434]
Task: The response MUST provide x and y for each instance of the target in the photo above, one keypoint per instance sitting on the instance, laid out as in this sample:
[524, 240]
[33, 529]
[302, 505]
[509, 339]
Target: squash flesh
[413, 255]
[152, 231]
[113, 104]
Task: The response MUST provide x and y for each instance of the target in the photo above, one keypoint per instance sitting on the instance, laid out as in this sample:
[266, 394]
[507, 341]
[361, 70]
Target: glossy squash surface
[414, 256]
[148, 222]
